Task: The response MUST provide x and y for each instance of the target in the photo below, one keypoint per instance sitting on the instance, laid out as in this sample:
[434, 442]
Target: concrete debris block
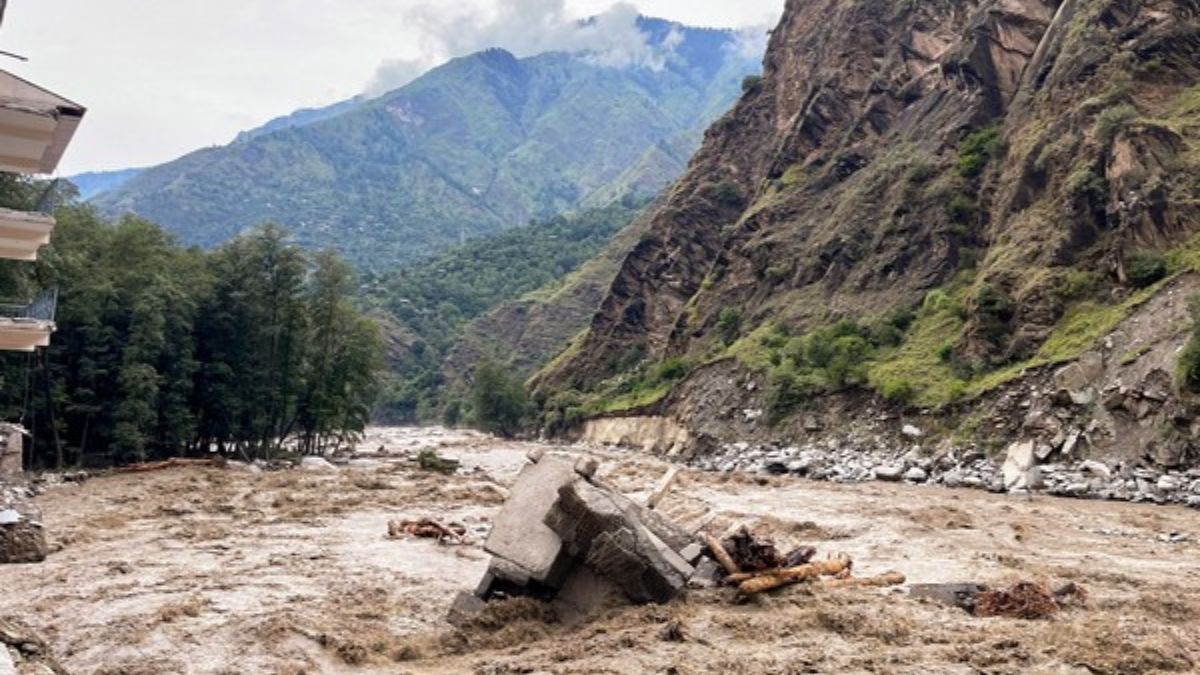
[519, 534]
[707, 574]
[691, 553]
[22, 542]
[604, 530]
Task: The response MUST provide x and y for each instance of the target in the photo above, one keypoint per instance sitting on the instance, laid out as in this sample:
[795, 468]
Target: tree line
[163, 350]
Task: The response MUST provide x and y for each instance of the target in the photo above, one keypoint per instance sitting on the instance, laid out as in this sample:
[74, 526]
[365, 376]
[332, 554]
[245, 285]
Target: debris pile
[564, 536]
[754, 565]
[22, 537]
[427, 528]
[1022, 600]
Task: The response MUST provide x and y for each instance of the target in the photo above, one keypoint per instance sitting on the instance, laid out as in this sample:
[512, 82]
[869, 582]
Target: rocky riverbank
[1022, 468]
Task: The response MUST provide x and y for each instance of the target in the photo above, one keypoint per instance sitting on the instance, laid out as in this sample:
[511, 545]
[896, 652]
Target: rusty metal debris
[1029, 600]
[427, 528]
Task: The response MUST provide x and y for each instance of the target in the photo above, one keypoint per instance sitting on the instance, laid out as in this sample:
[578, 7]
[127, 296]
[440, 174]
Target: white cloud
[523, 27]
[161, 78]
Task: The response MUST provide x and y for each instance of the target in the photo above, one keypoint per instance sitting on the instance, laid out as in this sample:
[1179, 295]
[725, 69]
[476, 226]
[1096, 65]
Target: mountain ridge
[482, 143]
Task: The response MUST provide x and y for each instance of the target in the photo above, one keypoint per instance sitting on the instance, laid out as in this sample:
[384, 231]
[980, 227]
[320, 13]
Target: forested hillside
[428, 307]
[163, 350]
[484, 143]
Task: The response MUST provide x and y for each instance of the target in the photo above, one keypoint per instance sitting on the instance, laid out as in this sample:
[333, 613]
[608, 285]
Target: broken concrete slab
[604, 530]
[519, 534]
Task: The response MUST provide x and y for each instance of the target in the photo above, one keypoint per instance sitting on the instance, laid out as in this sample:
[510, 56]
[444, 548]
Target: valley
[217, 570]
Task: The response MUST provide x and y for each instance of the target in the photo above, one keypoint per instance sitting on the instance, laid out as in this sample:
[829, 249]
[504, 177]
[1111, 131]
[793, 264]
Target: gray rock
[910, 431]
[1080, 375]
[1096, 469]
[1019, 466]
[1170, 483]
[891, 473]
[1194, 501]
[916, 475]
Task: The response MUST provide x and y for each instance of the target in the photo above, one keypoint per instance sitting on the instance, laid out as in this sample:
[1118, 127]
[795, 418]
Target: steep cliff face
[1012, 155]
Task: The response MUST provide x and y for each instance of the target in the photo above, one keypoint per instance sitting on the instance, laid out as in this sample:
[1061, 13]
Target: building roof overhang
[36, 125]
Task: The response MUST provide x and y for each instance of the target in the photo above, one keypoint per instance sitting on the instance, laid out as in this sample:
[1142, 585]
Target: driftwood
[427, 528]
[663, 487]
[881, 581]
[772, 580]
[167, 464]
[721, 555]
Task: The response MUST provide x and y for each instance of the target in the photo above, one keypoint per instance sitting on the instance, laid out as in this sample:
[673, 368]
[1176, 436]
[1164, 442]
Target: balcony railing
[43, 308]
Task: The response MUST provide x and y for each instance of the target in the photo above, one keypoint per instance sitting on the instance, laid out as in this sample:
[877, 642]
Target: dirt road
[218, 571]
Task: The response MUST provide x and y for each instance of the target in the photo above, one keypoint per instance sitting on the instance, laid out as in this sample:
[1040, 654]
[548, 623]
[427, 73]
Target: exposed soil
[219, 571]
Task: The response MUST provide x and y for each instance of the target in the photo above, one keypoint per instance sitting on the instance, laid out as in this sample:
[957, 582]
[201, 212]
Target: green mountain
[516, 296]
[93, 183]
[481, 144]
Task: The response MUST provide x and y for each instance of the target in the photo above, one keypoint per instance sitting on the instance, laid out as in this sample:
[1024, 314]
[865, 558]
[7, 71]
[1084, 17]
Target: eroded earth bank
[220, 570]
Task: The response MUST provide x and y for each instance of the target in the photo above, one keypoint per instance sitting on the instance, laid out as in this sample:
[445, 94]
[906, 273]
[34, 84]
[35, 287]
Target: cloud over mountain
[523, 27]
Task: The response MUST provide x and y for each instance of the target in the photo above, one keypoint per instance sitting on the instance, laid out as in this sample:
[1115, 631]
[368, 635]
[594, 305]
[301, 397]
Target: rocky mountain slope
[483, 143]
[926, 209]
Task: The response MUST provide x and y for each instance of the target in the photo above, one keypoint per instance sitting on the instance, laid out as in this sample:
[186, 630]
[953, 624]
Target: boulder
[910, 431]
[22, 541]
[889, 472]
[1097, 469]
[1079, 377]
[1019, 470]
[916, 475]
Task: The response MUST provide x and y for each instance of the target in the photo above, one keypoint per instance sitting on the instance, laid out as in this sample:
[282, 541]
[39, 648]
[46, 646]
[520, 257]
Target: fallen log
[772, 580]
[663, 487]
[166, 464]
[881, 581]
[721, 555]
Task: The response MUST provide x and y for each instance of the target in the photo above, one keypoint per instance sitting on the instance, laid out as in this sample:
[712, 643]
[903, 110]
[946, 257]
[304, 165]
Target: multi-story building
[36, 125]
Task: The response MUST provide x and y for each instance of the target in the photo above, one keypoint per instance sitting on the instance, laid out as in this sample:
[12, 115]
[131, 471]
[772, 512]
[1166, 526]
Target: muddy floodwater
[218, 571]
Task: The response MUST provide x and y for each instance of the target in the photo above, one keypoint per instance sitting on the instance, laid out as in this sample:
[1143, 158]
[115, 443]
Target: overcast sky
[163, 77]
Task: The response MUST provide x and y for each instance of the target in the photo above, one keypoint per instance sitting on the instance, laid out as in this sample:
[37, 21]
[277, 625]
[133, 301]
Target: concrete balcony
[24, 328]
[36, 126]
[22, 234]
